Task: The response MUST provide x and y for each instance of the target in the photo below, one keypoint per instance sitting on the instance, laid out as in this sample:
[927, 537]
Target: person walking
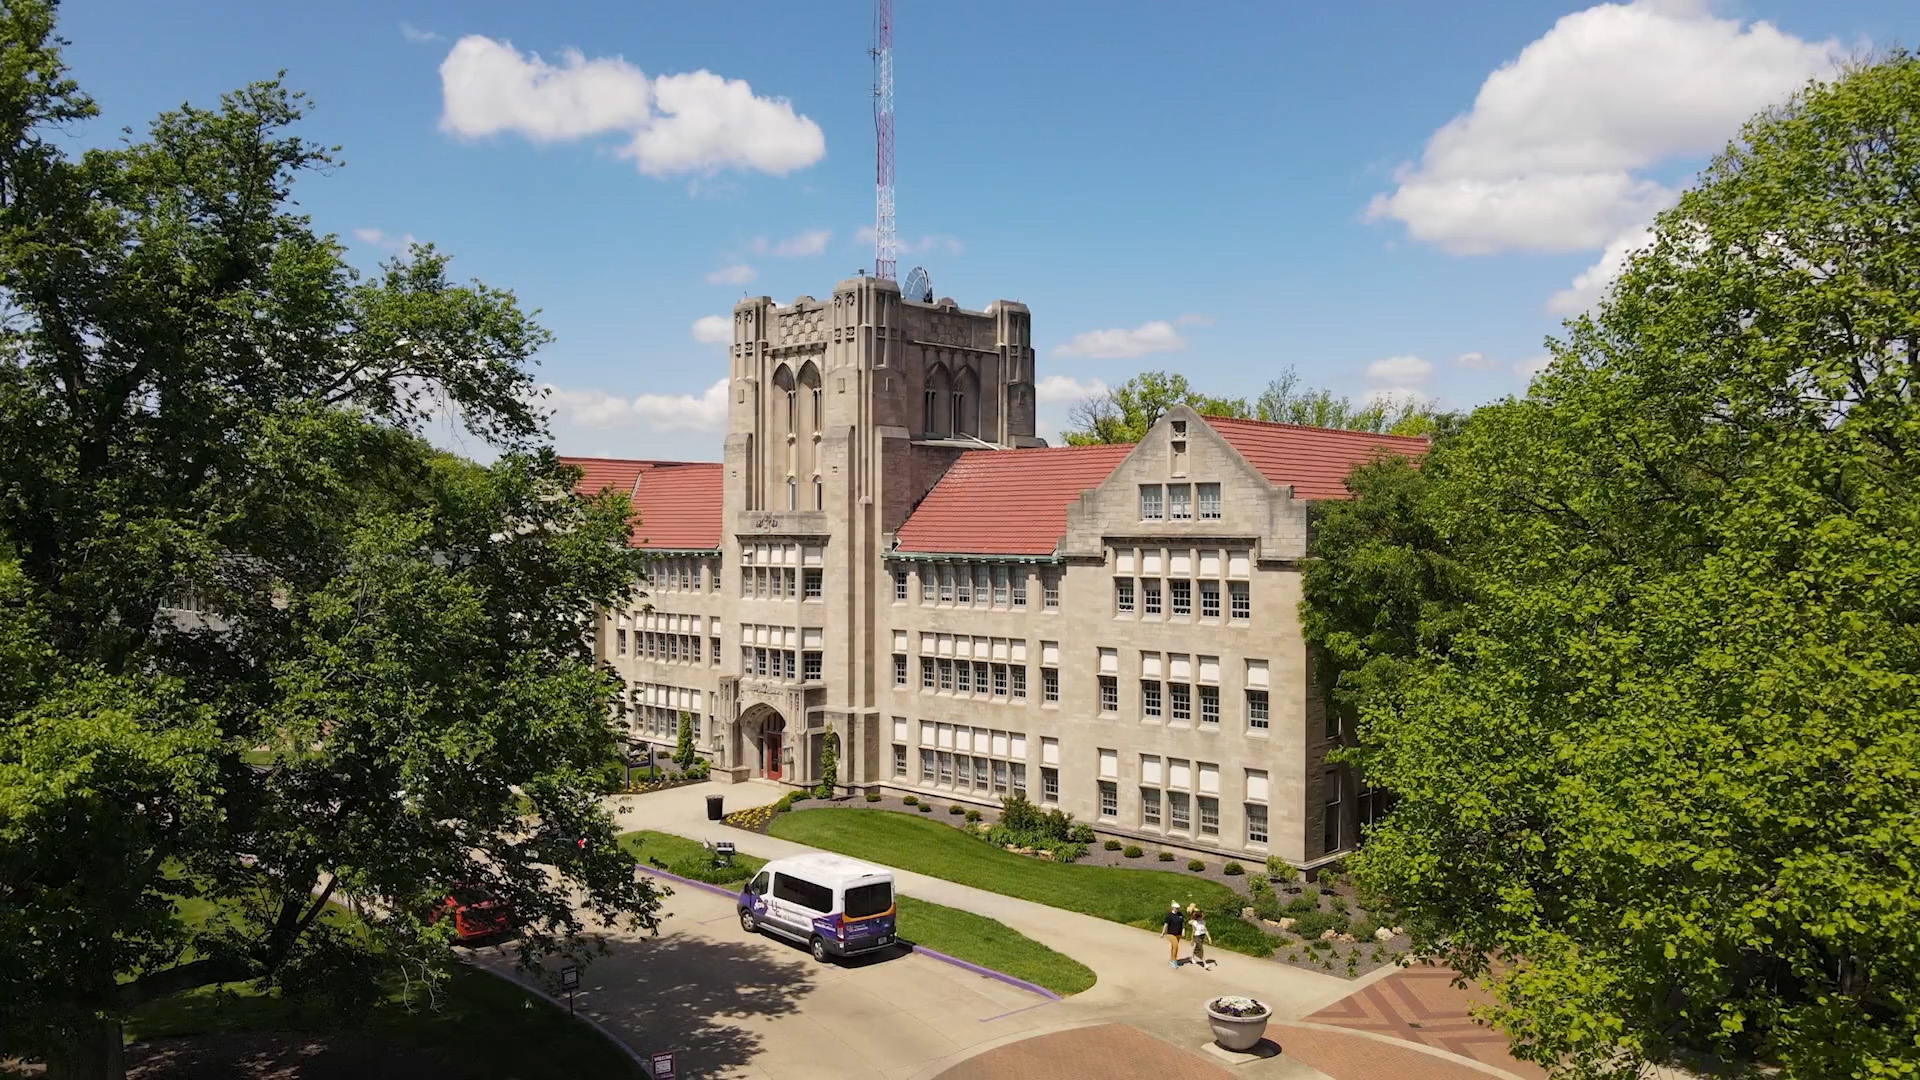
[1176, 922]
[1197, 925]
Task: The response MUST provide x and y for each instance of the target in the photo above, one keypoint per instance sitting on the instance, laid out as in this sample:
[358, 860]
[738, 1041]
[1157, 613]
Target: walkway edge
[654, 871]
[1425, 1048]
[646, 1066]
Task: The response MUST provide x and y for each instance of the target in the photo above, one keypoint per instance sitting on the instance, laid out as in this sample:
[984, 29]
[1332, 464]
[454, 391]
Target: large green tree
[1651, 702]
[1124, 413]
[199, 398]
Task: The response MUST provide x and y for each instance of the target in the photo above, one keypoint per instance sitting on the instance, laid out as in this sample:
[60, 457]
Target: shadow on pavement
[709, 1001]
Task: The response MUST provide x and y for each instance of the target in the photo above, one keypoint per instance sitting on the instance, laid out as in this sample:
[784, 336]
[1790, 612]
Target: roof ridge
[1308, 427]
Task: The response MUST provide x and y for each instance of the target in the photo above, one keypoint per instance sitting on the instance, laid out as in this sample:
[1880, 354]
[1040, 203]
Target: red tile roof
[677, 504]
[1314, 460]
[1014, 502]
[1007, 502]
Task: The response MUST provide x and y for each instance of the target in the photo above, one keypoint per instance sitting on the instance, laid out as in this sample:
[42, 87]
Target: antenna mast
[885, 244]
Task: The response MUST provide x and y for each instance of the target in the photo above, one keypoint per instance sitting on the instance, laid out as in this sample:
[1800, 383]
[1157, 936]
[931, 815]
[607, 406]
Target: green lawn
[960, 934]
[1135, 897]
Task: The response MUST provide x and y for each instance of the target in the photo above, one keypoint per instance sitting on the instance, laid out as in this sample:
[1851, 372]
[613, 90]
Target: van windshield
[865, 900]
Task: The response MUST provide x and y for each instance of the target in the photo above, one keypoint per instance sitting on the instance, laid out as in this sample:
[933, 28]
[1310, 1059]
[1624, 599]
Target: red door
[770, 746]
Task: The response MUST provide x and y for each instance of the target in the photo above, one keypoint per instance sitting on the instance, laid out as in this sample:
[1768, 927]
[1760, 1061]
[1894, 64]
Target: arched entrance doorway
[773, 730]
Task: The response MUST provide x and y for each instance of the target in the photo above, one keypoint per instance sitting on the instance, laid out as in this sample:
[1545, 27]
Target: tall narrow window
[1150, 807]
[1150, 594]
[1050, 591]
[926, 584]
[1019, 586]
[1182, 701]
[1109, 695]
[932, 404]
[1182, 597]
[899, 586]
[1241, 604]
[899, 669]
[1210, 706]
[1049, 785]
[1330, 829]
[1179, 502]
[1150, 502]
[1150, 699]
[1209, 599]
[1256, 823]
[1050, 686]
[812, 584]
[1179, 814]
[819, 495]
[1123, 596]
[1257, 710]
[1109, 799]
[816, 411]
[793, 493]
[1209, 502]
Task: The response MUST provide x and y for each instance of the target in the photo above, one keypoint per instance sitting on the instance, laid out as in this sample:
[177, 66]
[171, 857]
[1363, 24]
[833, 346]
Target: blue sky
[1369, 192]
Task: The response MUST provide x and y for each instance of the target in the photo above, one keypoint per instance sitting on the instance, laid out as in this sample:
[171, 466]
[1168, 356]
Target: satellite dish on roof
[918, 287]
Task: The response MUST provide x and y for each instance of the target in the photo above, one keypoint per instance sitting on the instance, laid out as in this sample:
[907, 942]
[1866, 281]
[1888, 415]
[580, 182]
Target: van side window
[804, 893]
[758, 886]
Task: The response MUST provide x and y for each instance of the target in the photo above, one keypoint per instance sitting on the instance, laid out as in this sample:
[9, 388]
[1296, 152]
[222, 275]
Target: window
[946, 767]
[812, 587]
[963, 678]
[1210, 706]
[1050, 785]
[926, 585]
[1330, 827]
[1209, 502]
[926, 673]
[999, 680]
[819, 493]
[1182, 597]
[1182, 696]
[980, 678]
[1019, 587]
[1109, 694]
[1019, 779]
[1256, 823]
[716, 652]
[963, 771]
[1179, 502]
[804, 893]
[1019, 683]
[793, 491]
[1123, 595]
[899, 760]
[946, 584]
[1178, 816]
[810, 667]
[622, 638]
[1150, 806]
[1050, 686]
[966, 587]
[865, 901]
[1150, 699]
[899, 669]
[1332, 725]
[1257, 710]
[1109, 799]
[946, 674]
[1000, 778]
[1150, 502]
[1372, 804]
[926, 766]
[1209, 816]
[1209, 599]
[1241, 604]
[999, 586]
[1050, 592]
[982, 586]
[1151, 591]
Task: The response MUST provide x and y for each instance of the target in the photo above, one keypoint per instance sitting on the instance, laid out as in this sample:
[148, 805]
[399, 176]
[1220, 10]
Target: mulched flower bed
[1334, 898]
[637, 786]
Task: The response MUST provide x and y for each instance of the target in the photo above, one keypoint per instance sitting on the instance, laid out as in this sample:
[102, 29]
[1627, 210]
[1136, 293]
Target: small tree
[829, 765]
[683, 754]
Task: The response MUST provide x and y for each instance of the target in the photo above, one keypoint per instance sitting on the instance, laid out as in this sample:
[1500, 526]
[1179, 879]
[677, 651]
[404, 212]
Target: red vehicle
[475, 915]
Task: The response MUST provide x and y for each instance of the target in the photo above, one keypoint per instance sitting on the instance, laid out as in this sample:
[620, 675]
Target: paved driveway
[735, 1004]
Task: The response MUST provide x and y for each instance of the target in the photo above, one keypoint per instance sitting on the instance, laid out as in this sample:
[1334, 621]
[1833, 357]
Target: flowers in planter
[1233, 1005]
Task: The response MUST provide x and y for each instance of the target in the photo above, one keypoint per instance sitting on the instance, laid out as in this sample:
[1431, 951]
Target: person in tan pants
[1176, 922]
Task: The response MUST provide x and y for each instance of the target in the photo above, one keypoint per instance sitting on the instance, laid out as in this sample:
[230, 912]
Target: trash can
[713, 808]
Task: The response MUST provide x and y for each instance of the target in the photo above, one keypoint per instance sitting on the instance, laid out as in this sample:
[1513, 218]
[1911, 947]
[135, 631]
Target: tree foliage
[1648, 688]
[1125, 413]
[200, 398]
[1285, 401]
[829, 765]
[683, 752]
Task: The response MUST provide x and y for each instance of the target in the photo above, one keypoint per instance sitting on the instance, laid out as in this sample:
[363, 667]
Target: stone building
[888, 553]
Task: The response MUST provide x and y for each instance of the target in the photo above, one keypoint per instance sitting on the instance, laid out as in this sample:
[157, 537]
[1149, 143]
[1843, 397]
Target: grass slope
[1135, 897]
[960, 934]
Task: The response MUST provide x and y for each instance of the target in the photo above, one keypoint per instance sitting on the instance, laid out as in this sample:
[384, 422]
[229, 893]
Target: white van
[834, 905]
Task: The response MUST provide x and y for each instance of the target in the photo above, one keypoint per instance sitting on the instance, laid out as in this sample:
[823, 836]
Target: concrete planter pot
[1237, 1033]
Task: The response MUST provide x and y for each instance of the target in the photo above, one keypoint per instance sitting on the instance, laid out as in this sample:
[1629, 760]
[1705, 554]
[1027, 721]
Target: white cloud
[737, 274]
[1547, 158]
[599, 410]
[693, 122]
[713, 330]
[1399, 370]
[1592, 284]
[1476, 361]
[1194, 320]
[384, 240]
[1058, 389]
[803, 245]
[931, 243]
[416, 35]
[1152, 337]
[1532, 366]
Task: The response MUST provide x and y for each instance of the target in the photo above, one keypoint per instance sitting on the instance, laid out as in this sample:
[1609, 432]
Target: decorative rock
[1348, 938]
[1274, 923]
[1286, 923]
[1397, 931]
[1383, 934]
[1047, 855]
[1329, 935]
[1248, 913]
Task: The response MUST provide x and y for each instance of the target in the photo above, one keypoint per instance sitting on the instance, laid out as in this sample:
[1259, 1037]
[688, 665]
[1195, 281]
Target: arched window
[819, 495]
[783, 382]
[816, 410]
[966, 402]
[793, 495]
[809, 379]
[939, 393]
[932, 407]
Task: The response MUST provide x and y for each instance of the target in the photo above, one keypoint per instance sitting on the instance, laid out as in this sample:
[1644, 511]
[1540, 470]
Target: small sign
[662, 1065]
[569, 978]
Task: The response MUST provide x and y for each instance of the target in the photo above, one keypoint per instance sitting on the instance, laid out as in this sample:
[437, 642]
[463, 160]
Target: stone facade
[1146, 674]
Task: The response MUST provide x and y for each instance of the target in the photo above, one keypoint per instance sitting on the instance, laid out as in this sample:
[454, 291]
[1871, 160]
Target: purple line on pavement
[921, 949]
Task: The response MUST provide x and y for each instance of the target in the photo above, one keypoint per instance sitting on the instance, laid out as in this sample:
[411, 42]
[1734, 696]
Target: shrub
[1267, 905]
[1363, 929]
[1081, 834]
[1302, 905]
[1293, 958]
[1196, 865]
[1020, 815]
[926, 808]
[1133, 851]
[972, 814]
[1111, 845]
[873, 796]
[1166, 856]
[1315, 923]
[1259, 887]
[911, 800]
[956, 809]
[1281, 870]
[1233, 869]
[1337, 902]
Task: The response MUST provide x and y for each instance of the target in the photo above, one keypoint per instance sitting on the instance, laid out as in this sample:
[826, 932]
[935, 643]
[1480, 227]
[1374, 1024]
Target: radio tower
[885, 245]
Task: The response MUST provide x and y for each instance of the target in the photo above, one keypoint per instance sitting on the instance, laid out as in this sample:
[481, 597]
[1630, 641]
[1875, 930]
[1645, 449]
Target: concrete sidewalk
[1131, 964]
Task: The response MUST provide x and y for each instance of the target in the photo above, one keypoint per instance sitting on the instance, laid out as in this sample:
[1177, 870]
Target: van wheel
[819, 948]
[748, 924]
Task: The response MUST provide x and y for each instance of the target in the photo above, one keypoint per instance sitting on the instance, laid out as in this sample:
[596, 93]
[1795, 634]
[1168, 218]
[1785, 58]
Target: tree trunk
[93, 1053]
